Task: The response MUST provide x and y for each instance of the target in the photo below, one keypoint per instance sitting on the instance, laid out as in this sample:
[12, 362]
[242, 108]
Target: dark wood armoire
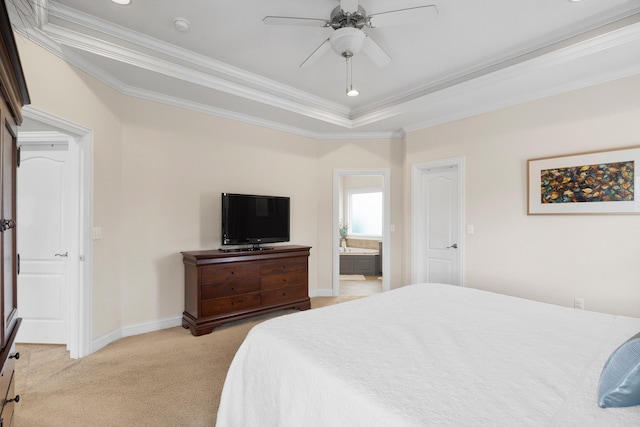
[13, 96]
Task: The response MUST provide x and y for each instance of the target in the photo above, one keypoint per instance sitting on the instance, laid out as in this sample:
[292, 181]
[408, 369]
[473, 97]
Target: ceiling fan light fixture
[122, 2]
[347, 39]
[350, 90]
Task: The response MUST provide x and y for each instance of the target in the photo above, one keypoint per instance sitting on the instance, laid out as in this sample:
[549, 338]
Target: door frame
[418, 170]
[386, 224]
[81, 193]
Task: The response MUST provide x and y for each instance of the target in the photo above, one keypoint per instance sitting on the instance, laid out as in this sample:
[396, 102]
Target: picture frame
[596, 182]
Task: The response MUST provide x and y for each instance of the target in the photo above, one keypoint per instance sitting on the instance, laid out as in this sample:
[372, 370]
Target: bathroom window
[365, 213]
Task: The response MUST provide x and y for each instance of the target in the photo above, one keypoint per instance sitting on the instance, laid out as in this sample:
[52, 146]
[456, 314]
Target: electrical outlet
[578, 303]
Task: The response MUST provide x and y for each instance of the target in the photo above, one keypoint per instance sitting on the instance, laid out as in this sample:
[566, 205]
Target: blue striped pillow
[619, 384]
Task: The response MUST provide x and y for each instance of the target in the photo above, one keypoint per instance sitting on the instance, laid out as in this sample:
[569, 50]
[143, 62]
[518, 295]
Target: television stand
[221, 286]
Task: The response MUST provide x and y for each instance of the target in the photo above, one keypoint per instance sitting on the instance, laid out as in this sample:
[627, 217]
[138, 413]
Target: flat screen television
[252, 220]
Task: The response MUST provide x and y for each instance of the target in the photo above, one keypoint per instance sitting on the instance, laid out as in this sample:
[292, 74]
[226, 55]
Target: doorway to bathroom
[361, 222]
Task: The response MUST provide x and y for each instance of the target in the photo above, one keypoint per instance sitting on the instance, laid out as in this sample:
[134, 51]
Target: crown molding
[489, 79]
[45, 41]
[142, 60]
[520, 98]
[596, 39]
[527, 65]
[172, 51]
[244, 118]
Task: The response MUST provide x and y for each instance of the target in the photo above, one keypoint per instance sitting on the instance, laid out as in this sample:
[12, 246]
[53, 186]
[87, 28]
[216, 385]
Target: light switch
[470, 229]
[97, 233]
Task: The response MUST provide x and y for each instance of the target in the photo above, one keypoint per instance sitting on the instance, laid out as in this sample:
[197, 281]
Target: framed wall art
[601, 182]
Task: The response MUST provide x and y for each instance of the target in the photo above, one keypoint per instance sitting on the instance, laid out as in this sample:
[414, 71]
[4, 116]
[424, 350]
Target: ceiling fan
[348, 19]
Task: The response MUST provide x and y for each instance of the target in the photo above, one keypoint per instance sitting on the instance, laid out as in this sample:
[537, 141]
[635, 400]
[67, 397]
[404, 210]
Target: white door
[42, 187]
[437, 221]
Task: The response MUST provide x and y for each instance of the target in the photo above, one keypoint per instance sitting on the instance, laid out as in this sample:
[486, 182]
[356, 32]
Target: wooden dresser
[222, 286]
[13, 96]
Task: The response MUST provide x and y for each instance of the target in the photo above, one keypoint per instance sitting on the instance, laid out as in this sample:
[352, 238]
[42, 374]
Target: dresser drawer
[218, 306]
[283, 265]
[8, 402]
[222, 272]
[230, 288]
[5, 377]
[277, 281]
[281, 296]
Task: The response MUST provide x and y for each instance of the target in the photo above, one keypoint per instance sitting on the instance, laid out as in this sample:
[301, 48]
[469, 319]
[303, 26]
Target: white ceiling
[472, 57]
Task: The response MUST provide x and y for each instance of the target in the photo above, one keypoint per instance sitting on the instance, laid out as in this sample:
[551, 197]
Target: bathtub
[360, 261]
[358, 251]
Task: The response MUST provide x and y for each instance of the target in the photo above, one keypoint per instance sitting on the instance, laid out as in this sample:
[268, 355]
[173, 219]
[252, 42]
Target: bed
[427, 354]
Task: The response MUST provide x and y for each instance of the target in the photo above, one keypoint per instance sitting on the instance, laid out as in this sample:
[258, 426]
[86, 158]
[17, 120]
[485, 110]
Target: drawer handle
[284, 294]
[233, 272]
[15, 356]
[15, 399]
[284, 265]
[233, 288]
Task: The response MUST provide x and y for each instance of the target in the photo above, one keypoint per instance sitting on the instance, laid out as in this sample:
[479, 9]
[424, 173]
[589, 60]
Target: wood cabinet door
[13, 96]
[8, 259]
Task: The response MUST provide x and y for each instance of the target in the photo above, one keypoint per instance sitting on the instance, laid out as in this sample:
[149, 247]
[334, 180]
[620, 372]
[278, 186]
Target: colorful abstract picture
[597, 182]
[607, 182]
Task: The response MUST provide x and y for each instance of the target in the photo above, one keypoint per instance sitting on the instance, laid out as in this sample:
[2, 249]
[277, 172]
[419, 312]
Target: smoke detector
[181, 24]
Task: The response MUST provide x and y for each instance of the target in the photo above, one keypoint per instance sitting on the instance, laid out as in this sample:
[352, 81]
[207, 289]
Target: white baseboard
[129, 331]
[158, 325]
[105, 340]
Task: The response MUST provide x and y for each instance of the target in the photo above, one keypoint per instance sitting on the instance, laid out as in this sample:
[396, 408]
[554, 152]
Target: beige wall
[158, 175]
[176, 164]
[159, 172]
[547, 258]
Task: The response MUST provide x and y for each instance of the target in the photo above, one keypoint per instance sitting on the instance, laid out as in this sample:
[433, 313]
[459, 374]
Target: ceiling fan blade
[291, 20]
[411, 15]
[375, 52]
[349, 5]
[316, 54]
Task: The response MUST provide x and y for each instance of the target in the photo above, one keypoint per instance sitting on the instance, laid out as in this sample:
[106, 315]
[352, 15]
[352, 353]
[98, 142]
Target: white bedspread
[427, 355]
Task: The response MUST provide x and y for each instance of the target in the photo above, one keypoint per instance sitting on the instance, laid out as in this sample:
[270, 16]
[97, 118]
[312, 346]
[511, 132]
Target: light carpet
[163, 378]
